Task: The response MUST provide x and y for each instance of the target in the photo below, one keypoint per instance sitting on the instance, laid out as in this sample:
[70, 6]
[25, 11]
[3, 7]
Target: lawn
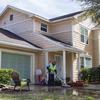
[44, 93]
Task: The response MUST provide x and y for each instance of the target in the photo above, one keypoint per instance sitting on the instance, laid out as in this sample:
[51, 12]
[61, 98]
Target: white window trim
[57, 55]
[83, 42]
[86, 56]
[44, 27]
[83, 35]
[32, 55]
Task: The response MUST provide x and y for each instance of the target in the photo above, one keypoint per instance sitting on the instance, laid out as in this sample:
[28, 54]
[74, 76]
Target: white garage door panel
[20, 63]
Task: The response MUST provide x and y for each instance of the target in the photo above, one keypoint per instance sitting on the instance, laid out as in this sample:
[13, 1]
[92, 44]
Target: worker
[51, 72]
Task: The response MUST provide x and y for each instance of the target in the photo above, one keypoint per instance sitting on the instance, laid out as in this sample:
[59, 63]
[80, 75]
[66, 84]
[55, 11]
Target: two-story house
[29, 41]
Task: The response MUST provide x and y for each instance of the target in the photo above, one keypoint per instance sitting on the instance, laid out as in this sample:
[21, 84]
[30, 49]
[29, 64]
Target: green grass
[41, 96]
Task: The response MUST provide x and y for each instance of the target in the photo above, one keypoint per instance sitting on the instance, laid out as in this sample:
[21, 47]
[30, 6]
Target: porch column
[32, 71]
[78, 65]
[72, 71]
[64, 66]
[46, 60]
[78, 62]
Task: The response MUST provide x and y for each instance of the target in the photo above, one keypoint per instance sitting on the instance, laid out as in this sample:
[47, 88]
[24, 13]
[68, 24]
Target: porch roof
[66, 46]
[8, 38]
[49, 43]
[97, 27]
[35, 41]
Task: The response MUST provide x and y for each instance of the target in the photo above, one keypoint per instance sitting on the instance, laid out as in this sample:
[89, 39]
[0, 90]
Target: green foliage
[84, 73]
[92, 8]
[91, 74]
[89, 98]
[5, 76]
[94, 74]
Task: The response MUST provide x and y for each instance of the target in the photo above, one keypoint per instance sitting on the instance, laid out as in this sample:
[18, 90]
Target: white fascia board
[95, 28]
[63, 19]
[18, 45]
[70, 49]
[42, 18]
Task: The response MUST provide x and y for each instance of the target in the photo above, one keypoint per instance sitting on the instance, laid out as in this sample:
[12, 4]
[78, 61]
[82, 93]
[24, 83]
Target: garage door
[19, 62]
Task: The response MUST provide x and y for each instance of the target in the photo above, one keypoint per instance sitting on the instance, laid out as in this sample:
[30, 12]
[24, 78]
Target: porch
[67, 62]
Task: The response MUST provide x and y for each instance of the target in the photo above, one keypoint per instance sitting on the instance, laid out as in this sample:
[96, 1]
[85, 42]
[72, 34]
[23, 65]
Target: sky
[44, 8]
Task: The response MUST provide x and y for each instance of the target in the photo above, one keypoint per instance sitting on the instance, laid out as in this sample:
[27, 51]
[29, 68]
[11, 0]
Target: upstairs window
[11, 17]
[84, 35]
[43, 27]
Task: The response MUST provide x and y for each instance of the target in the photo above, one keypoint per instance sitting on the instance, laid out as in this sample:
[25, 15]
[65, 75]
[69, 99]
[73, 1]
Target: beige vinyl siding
[63, 26]
[37, 25]
[21, 23]
[62, 31]
[59, 27]
[96, 47]
[77, 39]
[16, 15]
[40, 60]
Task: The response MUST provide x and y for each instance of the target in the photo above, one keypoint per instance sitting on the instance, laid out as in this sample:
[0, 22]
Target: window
[43, 27]
[82, 62]
[84, 35]
[85, 62]
[88, 62]
[11, 17]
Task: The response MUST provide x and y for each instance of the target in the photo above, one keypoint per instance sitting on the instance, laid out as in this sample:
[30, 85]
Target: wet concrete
[55, 93]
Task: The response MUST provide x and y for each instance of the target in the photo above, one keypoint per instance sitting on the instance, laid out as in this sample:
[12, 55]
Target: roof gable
[16, 9]
[65, 16]
[22, 11]
[30, 14]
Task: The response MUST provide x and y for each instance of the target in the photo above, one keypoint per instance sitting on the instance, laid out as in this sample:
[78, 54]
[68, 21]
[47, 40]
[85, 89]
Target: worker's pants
[51, 79]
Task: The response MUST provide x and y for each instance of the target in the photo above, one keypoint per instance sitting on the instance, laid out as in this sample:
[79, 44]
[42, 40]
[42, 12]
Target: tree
[92, 8]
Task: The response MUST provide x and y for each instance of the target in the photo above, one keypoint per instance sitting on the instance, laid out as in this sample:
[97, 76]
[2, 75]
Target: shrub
[85, 74]
[94, 74]
[91, 74]
[89, 98]
[5, 76]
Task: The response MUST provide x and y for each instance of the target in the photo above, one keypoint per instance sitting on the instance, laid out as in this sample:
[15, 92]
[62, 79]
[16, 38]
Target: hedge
[91, 74]
[5, 76]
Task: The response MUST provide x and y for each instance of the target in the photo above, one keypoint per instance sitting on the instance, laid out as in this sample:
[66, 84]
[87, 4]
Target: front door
[58, 59]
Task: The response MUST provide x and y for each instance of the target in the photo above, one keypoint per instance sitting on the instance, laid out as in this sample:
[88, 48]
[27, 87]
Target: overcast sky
[44, 8]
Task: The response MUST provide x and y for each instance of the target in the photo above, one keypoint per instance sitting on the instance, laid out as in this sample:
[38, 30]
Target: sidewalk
[93, 87]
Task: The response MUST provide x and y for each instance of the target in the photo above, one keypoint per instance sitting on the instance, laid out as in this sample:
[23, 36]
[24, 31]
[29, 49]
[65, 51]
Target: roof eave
[95, 28]
[62, 19]
[18, 45]
[70, 49]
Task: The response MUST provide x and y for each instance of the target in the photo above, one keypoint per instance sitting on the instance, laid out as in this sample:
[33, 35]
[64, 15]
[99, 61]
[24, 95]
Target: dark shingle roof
[14, 36]
[57, 40]
[65, 16]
